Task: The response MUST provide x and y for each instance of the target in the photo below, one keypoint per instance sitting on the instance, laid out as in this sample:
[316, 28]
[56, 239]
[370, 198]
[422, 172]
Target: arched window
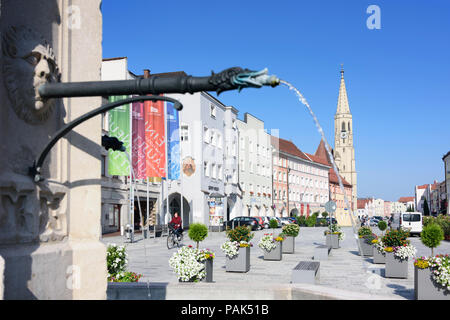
[343, 126]
[349, 126]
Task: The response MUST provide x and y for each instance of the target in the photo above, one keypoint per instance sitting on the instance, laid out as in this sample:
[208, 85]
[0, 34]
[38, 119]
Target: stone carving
[32, 213]
[28, 62]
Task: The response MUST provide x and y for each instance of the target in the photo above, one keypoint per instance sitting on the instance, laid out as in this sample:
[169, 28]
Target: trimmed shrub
[198, 232]
[241, 233]
[431, 236]
[273, 223]
[382, 225]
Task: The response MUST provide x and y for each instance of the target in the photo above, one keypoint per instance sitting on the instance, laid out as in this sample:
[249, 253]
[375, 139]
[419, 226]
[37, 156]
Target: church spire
[342, 106]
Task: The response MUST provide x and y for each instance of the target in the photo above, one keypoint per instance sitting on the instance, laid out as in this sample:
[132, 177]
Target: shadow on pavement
[402, 291]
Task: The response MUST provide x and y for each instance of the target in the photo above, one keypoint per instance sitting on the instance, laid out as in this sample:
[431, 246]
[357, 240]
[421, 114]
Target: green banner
[119, 127]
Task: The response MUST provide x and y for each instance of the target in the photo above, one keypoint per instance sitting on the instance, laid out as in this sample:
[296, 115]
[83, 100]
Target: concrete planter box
[425, 288]
[289, 245]
[366, 249]
[378, 257]
[396, 268]
[209, 270]
[332, 241]
[276, 253]
[239, 263]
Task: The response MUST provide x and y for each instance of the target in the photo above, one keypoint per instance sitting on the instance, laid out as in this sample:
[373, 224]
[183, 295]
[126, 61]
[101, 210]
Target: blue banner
[173, 142]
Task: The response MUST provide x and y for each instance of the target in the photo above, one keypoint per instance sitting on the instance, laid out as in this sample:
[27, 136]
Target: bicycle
[173, 239]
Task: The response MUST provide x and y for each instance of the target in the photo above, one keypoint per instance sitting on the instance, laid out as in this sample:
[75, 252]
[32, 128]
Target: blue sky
[397, 77]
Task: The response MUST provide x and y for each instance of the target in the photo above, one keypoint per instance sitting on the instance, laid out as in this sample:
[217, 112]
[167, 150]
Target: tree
[432, 235]
[410, 209]
[198, 232]
[426, 209]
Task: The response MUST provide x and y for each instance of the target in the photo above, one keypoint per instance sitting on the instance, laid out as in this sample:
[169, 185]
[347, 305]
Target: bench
[306, 272]
[322, 252]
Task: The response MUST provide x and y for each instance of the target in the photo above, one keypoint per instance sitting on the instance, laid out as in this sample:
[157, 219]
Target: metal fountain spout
[255, 79]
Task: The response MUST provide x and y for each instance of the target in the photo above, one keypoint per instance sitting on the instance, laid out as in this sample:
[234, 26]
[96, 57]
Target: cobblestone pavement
[345, 269]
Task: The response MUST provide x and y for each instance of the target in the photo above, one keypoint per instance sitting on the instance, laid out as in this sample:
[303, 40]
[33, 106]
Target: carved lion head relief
[28, 62]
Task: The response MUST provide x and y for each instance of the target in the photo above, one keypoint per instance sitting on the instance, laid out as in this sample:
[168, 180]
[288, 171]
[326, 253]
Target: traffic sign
[330, 206]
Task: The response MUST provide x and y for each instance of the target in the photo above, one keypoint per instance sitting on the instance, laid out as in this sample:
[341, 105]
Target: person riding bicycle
[176, 224]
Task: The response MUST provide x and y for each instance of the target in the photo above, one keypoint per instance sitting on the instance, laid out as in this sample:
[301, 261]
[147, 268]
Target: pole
[130, 159]
[148, 208]
[167, 169]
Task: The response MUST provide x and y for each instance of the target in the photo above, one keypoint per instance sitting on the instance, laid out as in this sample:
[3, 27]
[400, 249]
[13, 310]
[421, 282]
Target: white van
[411, 221]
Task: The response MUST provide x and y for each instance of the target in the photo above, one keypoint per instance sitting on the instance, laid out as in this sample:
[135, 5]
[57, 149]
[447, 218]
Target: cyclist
[176, 224]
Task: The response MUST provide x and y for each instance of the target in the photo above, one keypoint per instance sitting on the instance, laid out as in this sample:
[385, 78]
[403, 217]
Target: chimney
[146, 73]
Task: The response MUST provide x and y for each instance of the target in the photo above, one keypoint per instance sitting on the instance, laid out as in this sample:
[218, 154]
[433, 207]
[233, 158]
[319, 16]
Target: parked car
[333, 220]
[292, 219]
[285, 221]
[411, 221]
[261, 222]
[373, 222]
[266, 220]
[253, 222]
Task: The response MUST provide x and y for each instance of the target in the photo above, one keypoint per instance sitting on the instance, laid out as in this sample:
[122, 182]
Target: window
[212, 138]
[206, 169]
[242, 143]
[242, 165]
[219, 140]
[213, 171]
[184, 132]
[213, 111]
[103, 166]
[205, 134]
[219, 172]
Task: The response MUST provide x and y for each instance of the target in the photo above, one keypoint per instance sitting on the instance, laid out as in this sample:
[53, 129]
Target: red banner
[155, 139]
[139, 145]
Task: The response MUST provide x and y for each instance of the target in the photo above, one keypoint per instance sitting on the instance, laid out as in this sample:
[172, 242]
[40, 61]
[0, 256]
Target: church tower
[344, 151]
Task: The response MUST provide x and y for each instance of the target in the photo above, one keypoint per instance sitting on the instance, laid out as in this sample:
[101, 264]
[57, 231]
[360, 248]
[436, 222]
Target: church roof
[322, 153]
[342, 105]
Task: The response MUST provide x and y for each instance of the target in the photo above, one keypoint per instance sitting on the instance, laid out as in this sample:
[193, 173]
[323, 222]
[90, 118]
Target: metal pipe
[229, 79]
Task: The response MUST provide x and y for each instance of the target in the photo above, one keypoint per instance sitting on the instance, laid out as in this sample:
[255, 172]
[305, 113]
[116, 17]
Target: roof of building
[361, 203]
[424, 186]
[332, 176]
[116, 58]
[406, 199]
[318, 159]
[288, 147]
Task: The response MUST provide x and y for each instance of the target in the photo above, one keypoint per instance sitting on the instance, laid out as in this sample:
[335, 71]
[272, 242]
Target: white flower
[267, 243]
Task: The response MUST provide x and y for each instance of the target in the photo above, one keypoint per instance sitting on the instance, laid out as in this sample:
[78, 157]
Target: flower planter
[396, 268]
[332, 241]
[378, 257]
[289, 244]
[425, 288]
[276, 253]
[366, 249]
[239, 263]
[209, 270]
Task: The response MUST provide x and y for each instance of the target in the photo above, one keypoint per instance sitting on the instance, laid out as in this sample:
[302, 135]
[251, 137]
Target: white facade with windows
[255, 167]
[210, 190]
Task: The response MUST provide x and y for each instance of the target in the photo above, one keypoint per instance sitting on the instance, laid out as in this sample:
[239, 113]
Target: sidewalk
[345, 271]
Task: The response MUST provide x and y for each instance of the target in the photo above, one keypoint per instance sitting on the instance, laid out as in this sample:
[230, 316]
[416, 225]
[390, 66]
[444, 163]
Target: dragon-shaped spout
[255, 79]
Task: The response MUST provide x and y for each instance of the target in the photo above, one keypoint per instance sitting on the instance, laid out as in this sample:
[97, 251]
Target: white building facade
[255, 167]
[209, 157]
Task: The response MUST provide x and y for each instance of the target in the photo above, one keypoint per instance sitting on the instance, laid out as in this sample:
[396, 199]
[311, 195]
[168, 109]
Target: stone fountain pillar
[50, 231]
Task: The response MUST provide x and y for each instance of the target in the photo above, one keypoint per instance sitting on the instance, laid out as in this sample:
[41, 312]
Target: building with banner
[117, 211]
[208, 154]
[255, 167]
